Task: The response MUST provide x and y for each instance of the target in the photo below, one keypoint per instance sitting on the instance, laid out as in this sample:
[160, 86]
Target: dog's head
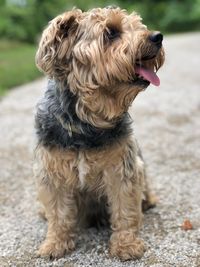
[106, 57]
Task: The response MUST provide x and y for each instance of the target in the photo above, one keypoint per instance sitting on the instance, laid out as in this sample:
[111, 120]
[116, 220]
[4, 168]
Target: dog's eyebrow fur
[114, 21]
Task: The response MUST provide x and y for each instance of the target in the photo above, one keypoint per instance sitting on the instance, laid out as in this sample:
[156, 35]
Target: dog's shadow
[93, 239]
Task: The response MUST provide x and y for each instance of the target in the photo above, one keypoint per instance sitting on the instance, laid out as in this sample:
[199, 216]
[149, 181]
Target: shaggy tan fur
[64, 174]
[76, 48]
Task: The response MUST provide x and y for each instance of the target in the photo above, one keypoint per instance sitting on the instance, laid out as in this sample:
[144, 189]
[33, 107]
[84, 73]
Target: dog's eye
[112, 33]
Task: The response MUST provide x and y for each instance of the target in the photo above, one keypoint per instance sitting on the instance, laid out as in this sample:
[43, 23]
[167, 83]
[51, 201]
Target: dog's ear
[56, 42]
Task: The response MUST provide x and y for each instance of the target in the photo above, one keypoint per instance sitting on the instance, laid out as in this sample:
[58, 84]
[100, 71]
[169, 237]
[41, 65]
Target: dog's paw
[126, 246]
[55, 250]
[150, 202]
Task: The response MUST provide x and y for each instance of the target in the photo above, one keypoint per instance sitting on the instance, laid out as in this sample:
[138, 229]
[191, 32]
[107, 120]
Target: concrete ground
[167, 124]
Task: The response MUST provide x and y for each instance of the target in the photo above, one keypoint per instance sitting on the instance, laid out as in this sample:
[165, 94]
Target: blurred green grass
[16, 64]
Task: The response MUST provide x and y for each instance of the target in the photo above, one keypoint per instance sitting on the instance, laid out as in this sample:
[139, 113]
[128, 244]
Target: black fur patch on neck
[61, 103]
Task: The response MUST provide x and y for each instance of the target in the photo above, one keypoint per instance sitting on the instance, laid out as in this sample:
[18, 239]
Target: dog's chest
[83, 169]
[90, 170]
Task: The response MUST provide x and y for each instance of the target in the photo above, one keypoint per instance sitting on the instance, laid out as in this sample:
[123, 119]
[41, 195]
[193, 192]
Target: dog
[90, 169]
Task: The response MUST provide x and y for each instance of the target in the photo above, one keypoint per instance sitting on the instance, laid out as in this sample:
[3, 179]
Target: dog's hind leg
[150, 200]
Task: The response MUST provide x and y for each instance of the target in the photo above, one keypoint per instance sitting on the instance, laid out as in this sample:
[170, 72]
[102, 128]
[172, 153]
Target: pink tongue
[148, 75]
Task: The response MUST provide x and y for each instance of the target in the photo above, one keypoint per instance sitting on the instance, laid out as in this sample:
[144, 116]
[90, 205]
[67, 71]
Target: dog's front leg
[61, 213]
[125, 198]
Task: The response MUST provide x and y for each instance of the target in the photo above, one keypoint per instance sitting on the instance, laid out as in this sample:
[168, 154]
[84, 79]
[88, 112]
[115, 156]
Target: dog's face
[101, 52]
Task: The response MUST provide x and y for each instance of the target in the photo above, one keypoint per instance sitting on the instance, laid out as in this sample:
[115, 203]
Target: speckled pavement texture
[167, 125]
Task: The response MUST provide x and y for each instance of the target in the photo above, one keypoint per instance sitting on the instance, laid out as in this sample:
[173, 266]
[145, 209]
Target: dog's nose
[156, 38]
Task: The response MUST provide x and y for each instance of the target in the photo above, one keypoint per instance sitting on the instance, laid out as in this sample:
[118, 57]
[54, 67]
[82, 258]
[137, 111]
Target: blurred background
[166, 122]
[21, 23]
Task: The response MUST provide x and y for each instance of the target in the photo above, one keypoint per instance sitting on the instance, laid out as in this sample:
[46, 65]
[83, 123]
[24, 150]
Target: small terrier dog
[89, 166]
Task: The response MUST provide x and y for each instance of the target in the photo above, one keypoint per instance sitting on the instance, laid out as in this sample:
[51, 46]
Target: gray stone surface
[167, 124]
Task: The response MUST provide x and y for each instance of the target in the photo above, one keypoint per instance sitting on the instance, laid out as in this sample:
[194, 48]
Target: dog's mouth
[145, 74]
